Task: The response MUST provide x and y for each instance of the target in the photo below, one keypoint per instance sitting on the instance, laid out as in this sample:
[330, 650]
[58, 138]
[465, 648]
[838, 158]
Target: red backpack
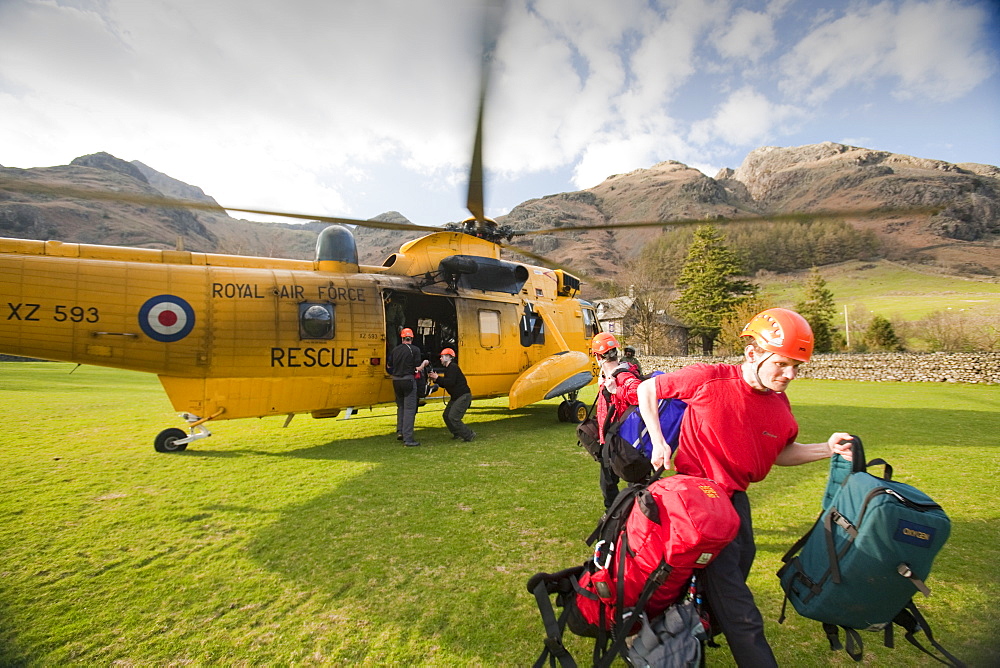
[672, 527]
[646, 548]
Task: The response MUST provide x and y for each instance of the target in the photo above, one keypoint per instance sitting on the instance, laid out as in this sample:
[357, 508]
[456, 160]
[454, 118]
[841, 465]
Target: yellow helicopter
[233, 337]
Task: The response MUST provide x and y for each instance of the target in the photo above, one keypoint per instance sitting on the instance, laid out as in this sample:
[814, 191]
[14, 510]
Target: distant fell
[120, 223]
[963, 237]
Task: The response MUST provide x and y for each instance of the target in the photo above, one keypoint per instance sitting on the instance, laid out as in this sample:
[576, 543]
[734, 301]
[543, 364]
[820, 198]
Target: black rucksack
[627, 447]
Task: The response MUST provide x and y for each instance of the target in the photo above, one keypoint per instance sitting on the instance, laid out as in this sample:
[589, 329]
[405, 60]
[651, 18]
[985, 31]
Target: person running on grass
[737, 425]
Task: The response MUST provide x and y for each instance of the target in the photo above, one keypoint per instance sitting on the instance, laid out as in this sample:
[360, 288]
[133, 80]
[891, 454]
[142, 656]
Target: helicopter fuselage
[232, 336]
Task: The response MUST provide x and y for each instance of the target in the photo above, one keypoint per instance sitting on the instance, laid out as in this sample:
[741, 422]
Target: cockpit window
[590, 324]
[532, 330]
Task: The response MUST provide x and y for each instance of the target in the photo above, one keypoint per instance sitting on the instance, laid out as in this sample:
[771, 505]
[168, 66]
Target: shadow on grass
[450, 532]
[441, 539]
[384, 447]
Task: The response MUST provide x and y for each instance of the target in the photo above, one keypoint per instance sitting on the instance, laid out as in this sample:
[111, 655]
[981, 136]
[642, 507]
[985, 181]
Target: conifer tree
[881, 335]
[710, 289]
[818, 309]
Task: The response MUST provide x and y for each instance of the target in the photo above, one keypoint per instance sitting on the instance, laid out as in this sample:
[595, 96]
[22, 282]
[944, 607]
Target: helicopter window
[590, 324]
[532, 330]
[316, 321]
[489, 328]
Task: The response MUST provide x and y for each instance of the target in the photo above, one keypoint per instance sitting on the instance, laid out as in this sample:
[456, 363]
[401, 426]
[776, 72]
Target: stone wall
[876, 367]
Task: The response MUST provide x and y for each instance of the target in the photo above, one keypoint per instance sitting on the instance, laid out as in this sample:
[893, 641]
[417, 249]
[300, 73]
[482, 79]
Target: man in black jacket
[453, 380]
[405, 364]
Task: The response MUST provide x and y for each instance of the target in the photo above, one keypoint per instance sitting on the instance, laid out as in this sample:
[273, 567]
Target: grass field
[891, 290]
[327, 543]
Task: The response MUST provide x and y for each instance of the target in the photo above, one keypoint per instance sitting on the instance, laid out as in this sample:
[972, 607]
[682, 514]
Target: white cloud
[343, 107]
[939, 50]
[863, 142]
[934, 50]
[747, 36]
[250, 92]
[746, 118]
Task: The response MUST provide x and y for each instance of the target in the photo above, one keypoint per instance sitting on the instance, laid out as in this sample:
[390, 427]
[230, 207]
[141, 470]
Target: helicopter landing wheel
[577, 412]
[166, 440]
[563, 411]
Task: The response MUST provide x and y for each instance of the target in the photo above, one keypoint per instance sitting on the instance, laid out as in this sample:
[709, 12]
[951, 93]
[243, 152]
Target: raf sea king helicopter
[234, 337]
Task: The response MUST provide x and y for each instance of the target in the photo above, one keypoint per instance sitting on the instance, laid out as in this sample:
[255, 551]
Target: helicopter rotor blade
[144, 199]
[799, 216]
[475, 202]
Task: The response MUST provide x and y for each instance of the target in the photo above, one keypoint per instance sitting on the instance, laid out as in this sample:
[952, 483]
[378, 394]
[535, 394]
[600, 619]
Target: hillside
[890, 289]
[962, 238]
[38, 216]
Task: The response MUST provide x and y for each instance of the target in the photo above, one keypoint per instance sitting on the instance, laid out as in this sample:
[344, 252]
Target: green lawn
[891, 290]
[327, 543]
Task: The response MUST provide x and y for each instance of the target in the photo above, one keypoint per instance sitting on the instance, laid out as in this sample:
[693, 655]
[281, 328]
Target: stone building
[650, 334]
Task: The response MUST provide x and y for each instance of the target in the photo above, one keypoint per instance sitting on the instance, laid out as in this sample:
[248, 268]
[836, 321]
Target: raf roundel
[166, 318]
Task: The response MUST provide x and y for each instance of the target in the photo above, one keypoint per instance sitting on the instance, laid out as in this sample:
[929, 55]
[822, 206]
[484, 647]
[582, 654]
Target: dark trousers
[406, 407]
[730, 600]
[609, 484]
[453, 414]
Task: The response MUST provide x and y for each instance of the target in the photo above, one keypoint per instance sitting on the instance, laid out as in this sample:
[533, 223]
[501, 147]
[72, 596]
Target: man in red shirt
[617, 385]
[737, 425]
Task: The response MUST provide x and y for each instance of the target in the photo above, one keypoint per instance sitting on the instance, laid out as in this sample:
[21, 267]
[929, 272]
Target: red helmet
[448, 351]
[406, 333]
[603, 342]
[783, 332]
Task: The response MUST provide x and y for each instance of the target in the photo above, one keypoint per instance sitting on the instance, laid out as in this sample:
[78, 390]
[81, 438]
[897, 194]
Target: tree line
[699, 276]
[780, 247]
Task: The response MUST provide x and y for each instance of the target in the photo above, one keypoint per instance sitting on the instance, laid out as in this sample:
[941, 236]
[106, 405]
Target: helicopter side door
[490, 350]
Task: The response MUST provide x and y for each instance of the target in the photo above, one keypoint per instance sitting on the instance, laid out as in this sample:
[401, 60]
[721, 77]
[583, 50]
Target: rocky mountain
[117, 221]
[962, 237]
[667, 191]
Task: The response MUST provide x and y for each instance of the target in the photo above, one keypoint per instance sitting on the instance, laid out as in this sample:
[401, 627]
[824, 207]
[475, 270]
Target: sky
[357, 107]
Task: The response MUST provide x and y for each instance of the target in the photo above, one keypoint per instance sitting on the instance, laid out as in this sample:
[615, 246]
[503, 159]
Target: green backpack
[869, 552]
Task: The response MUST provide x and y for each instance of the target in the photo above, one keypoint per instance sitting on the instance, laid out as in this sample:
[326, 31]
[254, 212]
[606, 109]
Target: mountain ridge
[963, 237]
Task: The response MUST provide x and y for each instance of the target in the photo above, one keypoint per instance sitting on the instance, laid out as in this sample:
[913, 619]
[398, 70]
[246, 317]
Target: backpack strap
[887, 475]
[593, 406]
[855, 646]
[620, 370]
[542, 585]
[911, 620]
[614, 517]
[834, 517]
[621, 626]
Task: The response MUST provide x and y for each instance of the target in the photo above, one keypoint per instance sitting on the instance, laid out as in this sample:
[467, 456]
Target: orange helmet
[783, 332]
[603, 342]
[406, 333]
[448, 351]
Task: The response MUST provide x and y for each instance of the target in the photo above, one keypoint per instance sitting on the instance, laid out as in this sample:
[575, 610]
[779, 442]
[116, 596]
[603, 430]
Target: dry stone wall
[875, 367]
